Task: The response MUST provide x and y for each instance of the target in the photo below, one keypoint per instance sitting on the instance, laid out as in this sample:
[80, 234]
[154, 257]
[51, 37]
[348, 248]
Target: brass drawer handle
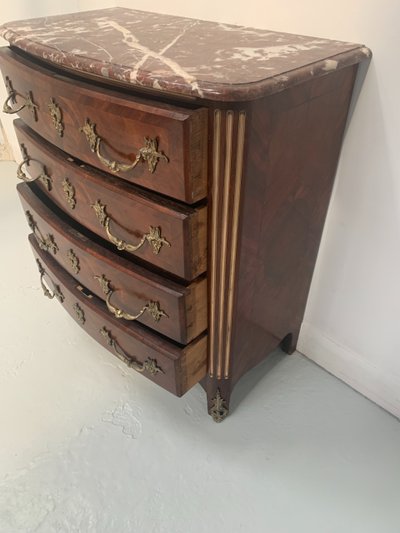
[45, 243]
[43, 176]
[149, 152]
[56, 292]
[12, 97]
[149, 364]
[153, 308]
[153, 237]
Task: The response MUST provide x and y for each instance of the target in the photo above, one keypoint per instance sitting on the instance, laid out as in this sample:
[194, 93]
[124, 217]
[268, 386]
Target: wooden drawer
[172, 367]
[101, 126]
[132, 212]
[169, 308]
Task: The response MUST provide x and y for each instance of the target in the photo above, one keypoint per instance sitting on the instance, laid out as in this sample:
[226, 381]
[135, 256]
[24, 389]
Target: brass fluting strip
[214, 247]
[224, 243]
[234, 237]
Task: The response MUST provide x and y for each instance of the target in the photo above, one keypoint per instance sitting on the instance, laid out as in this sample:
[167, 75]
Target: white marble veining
[179, 55]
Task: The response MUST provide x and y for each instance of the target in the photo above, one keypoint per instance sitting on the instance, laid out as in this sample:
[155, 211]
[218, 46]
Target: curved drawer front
[173, 368]
[158, 146]
[132, 293]
[164, 233]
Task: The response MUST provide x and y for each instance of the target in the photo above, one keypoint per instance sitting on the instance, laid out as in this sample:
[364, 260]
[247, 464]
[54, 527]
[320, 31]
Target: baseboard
[370, 380]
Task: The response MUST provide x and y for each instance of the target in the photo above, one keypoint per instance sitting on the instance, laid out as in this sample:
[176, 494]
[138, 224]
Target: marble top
[180, 55]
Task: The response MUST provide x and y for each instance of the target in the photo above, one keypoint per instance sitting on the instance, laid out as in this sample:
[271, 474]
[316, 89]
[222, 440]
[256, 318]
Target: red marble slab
[180, 55]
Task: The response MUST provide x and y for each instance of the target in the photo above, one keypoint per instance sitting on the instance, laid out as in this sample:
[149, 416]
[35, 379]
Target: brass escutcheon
[73, 261]
[56, 116]
[69, 193]
[79, 313]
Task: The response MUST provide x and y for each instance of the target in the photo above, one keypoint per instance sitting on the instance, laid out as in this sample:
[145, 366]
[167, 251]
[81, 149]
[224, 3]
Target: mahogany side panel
[293, 148]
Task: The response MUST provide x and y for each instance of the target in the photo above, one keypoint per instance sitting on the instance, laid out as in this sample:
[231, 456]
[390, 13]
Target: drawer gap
[84, 291]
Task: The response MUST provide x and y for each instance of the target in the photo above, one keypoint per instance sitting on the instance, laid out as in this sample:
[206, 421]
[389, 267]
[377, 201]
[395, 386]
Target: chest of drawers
[177, 177]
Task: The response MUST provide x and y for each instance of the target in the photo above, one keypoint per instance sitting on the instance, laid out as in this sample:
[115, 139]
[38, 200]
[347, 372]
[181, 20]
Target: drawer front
[173, 368]
[132, 293]
[164, 233]
[158, 146]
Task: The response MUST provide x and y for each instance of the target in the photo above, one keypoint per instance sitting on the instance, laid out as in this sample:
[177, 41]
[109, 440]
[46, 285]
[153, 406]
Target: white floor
[90, 447]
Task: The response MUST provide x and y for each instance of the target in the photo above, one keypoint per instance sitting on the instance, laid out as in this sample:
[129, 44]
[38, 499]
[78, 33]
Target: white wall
[350, 326]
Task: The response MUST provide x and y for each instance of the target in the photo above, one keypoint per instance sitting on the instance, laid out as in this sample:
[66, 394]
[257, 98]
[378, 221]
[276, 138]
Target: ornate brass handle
[56, 293]
[12, 97]
[43, 176]
[153, 308]
[149, 152]
[45, 243]
[153, 237]
[149, 364]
